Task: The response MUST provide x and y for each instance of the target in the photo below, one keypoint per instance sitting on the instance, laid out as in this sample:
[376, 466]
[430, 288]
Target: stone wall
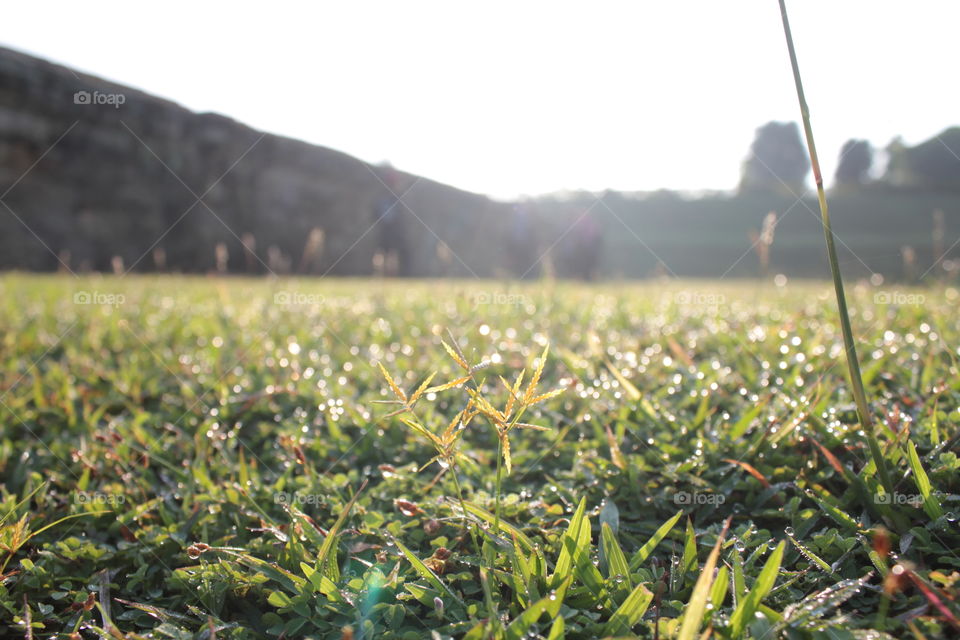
[112, 171]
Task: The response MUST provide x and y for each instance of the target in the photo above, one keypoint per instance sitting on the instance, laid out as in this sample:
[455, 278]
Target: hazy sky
[511, 98]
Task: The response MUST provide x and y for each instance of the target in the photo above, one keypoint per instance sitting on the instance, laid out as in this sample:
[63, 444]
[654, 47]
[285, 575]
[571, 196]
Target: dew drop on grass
[789, 531]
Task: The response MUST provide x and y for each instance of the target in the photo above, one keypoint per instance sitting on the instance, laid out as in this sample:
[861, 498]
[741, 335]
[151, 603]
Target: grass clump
[229, 469]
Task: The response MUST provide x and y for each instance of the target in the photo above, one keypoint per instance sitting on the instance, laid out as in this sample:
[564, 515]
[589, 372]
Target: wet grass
[196, 458]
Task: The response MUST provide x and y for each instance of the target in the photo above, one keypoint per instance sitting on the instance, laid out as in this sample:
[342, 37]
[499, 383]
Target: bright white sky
[510, 98]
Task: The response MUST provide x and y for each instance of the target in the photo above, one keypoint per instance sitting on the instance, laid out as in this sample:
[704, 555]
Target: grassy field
[200, 458]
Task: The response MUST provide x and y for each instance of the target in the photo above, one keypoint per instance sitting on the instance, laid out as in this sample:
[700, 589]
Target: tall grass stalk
[853, 363]
[496, 514]
[467, 524]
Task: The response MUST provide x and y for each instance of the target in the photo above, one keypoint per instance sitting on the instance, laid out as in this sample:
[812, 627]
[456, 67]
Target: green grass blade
[426, 573]
[557, 631]
[617, 564]
[485, 515]
[853, 363]
[292, 582]
[321, 583]
[517, 630]
[739, 584]
[327, 549]
[693, 613]
[743, 614]
[930, 503]
[821, 602]
[689, 561]
[837, 515]
[644, 552]
[64, 519]
[587, 572]
[741, 426]
[630, 612]
[811, 556]
[721, 585]
[25, 500]
[575, 541]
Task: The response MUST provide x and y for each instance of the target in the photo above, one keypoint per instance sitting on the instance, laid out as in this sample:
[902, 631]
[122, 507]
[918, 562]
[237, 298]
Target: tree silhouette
[778, 160]
[856, 158]
[932, 165]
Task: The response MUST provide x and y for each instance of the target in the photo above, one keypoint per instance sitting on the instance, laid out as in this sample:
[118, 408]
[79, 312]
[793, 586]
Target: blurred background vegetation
[150, 186]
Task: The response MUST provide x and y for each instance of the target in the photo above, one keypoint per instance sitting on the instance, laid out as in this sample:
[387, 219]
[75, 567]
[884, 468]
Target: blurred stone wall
[90, 170]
